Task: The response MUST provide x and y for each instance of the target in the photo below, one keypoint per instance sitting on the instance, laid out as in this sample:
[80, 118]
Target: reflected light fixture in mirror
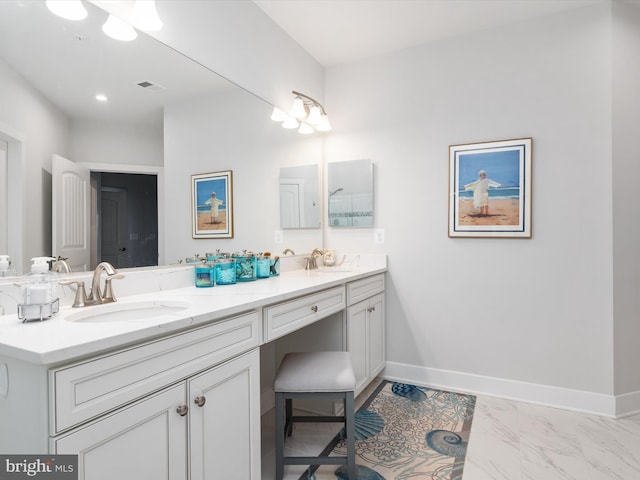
[119, 29]
[69, 9]
[145, 16]
[306, 113]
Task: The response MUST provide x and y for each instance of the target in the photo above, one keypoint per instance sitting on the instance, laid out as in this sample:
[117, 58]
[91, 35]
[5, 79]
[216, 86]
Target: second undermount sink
[127, 311]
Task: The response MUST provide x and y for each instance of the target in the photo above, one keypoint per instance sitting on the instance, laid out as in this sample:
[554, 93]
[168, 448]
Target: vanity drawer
[85, 390]
[286, 317]
[365, 288]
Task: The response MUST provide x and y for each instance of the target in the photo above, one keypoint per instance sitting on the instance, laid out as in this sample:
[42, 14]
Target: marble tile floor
[509, 440]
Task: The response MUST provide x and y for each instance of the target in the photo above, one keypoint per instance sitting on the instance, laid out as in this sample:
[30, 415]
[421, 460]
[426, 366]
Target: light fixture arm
[310, 100]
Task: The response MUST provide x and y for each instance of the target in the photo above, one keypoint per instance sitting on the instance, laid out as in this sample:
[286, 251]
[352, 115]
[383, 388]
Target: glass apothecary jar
[225, 271]
[246, 264]
[204, 275]
[263, 267]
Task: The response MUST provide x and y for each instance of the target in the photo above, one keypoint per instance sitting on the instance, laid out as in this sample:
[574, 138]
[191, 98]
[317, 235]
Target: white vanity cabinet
[194, 412]
[366, 328]
[205, 427]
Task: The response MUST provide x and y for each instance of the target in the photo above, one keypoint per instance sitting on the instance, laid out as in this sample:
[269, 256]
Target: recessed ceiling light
[101, 97]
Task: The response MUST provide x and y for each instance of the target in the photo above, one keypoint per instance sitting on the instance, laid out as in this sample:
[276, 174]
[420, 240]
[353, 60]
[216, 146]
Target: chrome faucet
[288, 250]
[95, 296]
[310, 261]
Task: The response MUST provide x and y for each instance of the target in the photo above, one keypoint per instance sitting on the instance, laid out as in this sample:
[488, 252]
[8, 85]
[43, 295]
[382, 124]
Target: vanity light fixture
[306, 113]
[119, 29]
[69, 9]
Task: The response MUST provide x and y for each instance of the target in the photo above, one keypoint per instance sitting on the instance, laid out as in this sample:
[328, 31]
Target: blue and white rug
[406, 432]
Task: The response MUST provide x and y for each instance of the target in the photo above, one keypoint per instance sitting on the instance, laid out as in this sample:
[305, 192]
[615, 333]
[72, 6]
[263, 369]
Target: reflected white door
[70, 207]
[4, 211]
[292, 203]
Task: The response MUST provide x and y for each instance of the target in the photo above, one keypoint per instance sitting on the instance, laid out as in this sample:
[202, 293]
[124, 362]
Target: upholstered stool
[314, 375]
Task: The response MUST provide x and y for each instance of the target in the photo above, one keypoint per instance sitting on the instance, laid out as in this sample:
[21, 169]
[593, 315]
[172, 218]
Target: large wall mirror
[350, 195]
[300, 197]
[51, 70]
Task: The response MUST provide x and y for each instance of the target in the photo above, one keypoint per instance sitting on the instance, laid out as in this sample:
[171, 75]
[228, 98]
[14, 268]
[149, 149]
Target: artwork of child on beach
[210, 197]
[489, 201]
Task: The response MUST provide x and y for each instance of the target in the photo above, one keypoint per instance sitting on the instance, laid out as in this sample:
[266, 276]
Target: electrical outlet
[378, 236]
[277, 238]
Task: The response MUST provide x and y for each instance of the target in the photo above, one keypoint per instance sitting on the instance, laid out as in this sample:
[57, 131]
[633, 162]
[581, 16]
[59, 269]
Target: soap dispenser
[5, 267]
[39, 300]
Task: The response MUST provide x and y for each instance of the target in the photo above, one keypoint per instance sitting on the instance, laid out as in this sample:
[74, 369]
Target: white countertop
[60, 339]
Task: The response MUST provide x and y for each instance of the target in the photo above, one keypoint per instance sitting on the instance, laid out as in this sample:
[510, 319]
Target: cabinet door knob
[182, 410]
[200, 401]
[314, 309]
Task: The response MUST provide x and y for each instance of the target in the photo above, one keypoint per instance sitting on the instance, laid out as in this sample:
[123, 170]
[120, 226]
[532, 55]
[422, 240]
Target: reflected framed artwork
[490, 189]
[212, 205]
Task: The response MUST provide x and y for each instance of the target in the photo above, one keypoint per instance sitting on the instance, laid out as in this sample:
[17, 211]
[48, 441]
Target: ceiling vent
[152, 87]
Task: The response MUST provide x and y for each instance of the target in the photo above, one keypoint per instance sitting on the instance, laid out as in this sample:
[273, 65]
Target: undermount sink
[127, 311]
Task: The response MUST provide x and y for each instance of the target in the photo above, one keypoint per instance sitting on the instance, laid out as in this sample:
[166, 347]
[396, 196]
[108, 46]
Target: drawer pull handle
[314, 309]
[182, 410]
[200, 401]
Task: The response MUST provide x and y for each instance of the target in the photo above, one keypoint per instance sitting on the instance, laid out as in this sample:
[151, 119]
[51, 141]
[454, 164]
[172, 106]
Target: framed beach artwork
[490, 189]
[212, 205]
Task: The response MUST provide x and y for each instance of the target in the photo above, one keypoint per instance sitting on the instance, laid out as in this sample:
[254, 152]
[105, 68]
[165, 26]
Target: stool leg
[279, 435]
[289, 413]
[349, 416]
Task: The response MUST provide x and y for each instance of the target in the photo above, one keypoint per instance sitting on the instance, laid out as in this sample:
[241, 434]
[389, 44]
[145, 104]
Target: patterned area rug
[406, 432]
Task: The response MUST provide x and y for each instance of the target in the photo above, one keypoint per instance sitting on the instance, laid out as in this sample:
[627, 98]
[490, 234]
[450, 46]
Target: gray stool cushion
[315, 372]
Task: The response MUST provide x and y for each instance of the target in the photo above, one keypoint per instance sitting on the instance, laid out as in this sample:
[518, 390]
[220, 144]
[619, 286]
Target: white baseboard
[628, 404]
[597, 403]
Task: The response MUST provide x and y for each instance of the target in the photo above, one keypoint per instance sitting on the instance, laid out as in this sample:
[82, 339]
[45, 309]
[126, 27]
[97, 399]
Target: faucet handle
[108, 289]
[80, 299]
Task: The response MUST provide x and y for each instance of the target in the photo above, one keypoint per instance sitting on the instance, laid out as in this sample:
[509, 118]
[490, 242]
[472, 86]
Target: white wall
[500, 315]
[46, 131]
[232, 131]
[626, 218]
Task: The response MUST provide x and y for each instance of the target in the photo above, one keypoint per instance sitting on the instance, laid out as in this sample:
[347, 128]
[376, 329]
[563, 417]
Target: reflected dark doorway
[126, 220]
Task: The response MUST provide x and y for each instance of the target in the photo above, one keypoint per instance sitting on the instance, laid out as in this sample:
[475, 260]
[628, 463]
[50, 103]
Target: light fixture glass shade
[314, 115]
[119, 29]
[323, 125]
[305, 129]
[278, 115]
[101, 97]
[145, 16]
[297, 109]
[69, 9]
[290, 122]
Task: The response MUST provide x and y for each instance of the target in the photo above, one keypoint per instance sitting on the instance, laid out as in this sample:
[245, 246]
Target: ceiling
[70, 62]
[342, 31]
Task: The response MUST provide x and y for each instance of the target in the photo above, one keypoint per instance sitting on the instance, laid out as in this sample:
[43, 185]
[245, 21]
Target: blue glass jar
[204, 275]
[263, 266]
[245, 267]
[225, 271]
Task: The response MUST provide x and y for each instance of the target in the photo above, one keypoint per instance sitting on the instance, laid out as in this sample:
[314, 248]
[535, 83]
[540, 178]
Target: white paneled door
[70, 210]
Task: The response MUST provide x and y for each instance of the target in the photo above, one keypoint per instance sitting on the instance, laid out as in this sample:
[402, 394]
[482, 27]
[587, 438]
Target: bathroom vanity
[165, 383]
